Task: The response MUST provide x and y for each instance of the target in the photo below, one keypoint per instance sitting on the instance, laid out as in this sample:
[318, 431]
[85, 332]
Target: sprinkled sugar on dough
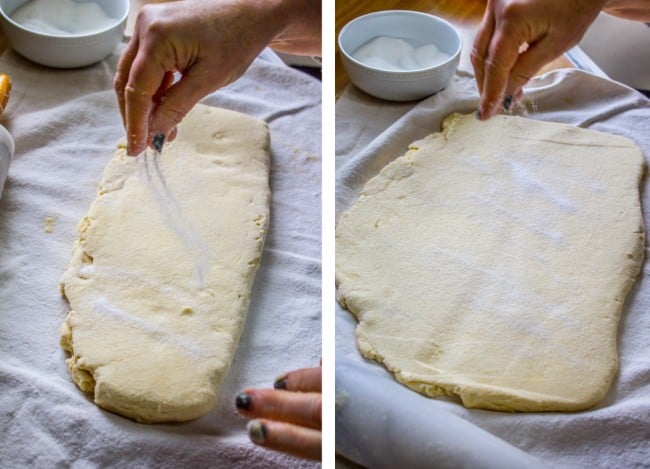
[160, 277]
[491, 262]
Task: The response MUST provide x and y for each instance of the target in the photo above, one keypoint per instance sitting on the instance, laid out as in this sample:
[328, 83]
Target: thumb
[529, 63]
[177, 101]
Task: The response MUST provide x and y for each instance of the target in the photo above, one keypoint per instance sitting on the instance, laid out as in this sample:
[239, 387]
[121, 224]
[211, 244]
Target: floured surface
[161, 275]
[492, 262]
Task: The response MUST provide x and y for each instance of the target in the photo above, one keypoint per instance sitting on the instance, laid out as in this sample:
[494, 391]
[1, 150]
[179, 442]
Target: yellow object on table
[5, 90]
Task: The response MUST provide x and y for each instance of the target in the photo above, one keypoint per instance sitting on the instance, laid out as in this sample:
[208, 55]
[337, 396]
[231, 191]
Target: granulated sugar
[62, 17]
[395, 54]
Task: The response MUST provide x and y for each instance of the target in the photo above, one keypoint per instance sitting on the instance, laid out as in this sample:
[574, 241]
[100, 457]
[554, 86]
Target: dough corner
[154, 406]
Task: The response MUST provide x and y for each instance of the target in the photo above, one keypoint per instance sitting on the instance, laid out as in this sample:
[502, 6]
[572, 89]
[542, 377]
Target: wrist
[300, 11]
[300, 31]
[636, 10]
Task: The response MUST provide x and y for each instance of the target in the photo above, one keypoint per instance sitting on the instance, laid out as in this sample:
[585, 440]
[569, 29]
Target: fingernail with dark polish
[158, 142]
[256, 431]
[280, 383]
[507, 101]
[243, 401]
[478, 115]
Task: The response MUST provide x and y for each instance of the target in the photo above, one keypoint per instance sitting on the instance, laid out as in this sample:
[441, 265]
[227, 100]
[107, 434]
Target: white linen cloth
[66, 125]
[380, 423]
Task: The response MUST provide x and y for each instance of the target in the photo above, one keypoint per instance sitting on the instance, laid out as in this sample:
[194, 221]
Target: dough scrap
[492, 260]
[160, 277]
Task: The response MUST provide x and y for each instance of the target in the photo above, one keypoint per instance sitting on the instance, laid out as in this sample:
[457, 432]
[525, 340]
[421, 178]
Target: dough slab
[160, 278]
[492, 261]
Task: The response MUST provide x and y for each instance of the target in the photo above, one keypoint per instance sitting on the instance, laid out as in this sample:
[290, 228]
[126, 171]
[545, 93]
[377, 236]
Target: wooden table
[464, 14]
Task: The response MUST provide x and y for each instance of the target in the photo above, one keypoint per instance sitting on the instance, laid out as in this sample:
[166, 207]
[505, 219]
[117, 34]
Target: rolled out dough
[492, 261]
[161, 274]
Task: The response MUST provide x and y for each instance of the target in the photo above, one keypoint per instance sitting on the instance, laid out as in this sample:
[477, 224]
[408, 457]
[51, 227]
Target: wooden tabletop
[465, 15]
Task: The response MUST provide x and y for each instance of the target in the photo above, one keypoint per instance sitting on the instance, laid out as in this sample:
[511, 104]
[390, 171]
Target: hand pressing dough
[161, 275]
[492, 261]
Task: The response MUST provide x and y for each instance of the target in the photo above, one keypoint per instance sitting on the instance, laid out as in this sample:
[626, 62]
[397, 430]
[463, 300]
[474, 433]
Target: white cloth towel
[616, 433]
[66, 125]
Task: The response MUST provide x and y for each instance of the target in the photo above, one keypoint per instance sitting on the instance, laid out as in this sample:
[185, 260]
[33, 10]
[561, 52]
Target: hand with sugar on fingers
[210, 44]
[287, 418]
[517, 37]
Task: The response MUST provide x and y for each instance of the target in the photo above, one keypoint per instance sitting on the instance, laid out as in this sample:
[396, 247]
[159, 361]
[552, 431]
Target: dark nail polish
[243, 401]
[507, 101]
[478, 115]
[256, 431]
[158, 142]
[280, 383]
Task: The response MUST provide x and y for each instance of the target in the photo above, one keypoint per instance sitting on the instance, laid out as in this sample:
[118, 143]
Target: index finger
[144, 80]
[122, 74]
[480, 48]
[502, 56]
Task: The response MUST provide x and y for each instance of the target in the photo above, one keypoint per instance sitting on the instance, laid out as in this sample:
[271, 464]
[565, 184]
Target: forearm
[637, 10]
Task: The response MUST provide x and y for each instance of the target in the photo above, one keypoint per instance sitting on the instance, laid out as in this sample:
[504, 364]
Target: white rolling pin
[7, 146]
[375, 431]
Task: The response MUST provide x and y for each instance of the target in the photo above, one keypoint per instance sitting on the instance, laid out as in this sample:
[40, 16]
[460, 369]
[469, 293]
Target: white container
[414, 27]
[6, 154]
[65, 51]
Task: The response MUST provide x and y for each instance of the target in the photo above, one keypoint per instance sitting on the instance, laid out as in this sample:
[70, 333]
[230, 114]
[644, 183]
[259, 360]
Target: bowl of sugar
[400, 55]
[64, 33]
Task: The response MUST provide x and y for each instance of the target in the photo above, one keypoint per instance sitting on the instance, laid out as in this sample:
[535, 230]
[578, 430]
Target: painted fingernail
[280, 383]
[256, 431]
[478, 115]
[507, 101]
[243, 401]
[158, 142]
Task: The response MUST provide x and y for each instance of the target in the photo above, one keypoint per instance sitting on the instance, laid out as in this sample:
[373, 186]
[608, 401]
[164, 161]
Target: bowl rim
[96, 32]
[452, 58]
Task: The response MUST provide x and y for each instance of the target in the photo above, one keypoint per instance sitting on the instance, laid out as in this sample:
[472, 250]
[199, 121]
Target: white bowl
[65, 51]
[414, 27]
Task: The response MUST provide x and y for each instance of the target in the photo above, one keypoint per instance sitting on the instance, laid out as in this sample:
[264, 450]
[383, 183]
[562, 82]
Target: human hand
[287, 418]
[636, 10]
[210, 43]
[517, 37]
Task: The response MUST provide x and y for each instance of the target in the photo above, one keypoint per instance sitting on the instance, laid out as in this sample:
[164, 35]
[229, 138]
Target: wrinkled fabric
[66, 125]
